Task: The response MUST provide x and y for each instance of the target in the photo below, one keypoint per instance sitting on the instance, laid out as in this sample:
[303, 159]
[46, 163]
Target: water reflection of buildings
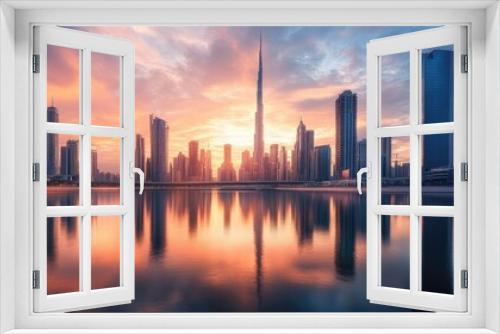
[291, 240]
[347, 214]
[309, 213]
[259, 247]
[227, 199]
[158, 223]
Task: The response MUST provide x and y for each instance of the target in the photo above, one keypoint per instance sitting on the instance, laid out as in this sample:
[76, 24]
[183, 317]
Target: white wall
[493, 167]
[6, 166]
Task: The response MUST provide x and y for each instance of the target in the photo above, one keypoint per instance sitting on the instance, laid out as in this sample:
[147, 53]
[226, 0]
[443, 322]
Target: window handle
[360, 173]
[133, 171]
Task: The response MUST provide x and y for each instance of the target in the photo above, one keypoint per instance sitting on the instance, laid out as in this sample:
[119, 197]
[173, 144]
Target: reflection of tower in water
[258, 242]
[226, 198]
[345, 237]
[51, 240]
[158, 223]
[139, 217]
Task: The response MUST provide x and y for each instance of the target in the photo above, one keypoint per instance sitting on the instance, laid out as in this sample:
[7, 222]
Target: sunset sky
[202, 81]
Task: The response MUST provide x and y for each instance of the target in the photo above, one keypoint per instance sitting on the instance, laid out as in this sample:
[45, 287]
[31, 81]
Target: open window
[83, 141]
[417, 169]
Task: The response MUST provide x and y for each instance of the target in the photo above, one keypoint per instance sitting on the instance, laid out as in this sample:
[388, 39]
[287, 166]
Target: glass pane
[105, 89]
[395, 170]
[395, 89]
[437, 84]
[437, 169]
[105, 171]
[63, 255]
[437, 254]
[395, 246]
[106, 248]
[63, 84]
[63, 169]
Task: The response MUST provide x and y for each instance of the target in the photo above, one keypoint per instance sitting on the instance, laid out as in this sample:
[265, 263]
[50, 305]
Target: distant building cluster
[63, 161]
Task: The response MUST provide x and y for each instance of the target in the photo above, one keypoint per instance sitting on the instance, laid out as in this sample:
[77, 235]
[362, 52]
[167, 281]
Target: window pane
[63, 84]
[63, 169]
[437, 84]
[395, 246]
[63, 254]
[395, 170]
[437, 169]
[105, 89]
[105, 171]
[395, 89]
[437, 254]
[106, 252]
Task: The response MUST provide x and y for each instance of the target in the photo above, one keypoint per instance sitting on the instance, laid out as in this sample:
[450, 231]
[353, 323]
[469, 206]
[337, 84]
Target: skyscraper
[52, 143]
[245, 172]
[437, 86]
[273, 162]
[322, 163]
[206, 165]
[226, 170]
[386, 157]
[69, 160]
[303, 153]
[300, 143]
[309, 155]
[282, 164]
[193, 164]
[346, 108]
[140, 152]
[95, 170]
[361, 154]
[258, 139]
[179, 168]
[158, 129]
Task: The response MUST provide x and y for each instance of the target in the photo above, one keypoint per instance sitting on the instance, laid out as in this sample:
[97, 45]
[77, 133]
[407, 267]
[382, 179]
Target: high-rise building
[299, 152]
[273, 162]
[140, 152]
[179, 168]
[322, 163]
[346, 108]
[158, 129]
[282, 164]
[52, 143]
[386, 157]
[258, 144]
[361, 154]
[227, 172]
[206, 165]
[245, 171]
[194, 163]
[309, 154]
[69, 160]
[437, 87]
[95, 169]
[303, 154]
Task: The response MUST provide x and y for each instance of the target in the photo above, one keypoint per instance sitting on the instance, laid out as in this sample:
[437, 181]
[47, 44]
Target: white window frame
[412, 44]
[483, 19]
[86, 44]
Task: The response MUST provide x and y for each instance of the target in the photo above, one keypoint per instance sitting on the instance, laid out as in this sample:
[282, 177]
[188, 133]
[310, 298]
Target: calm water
[236, 251]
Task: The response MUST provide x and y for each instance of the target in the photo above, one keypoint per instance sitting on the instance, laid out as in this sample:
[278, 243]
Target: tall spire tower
[258, 138]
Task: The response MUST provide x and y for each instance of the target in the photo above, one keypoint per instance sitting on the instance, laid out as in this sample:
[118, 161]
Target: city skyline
[208, 75]
[307, 161]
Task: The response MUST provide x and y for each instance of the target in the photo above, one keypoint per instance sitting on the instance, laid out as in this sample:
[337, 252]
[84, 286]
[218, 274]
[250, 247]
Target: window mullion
[414, 171]
[85, 182]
